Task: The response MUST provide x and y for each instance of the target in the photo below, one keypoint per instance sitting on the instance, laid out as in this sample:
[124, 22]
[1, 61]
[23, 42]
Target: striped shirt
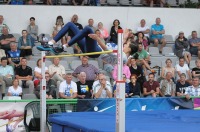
[193, 91]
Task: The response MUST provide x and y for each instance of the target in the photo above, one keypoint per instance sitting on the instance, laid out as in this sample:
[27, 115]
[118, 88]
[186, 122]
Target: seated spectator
[14, 55]
[181, 85]
[78, 2]
[196, 70]
[102, 88]
[126, 71]
[2, 54]
[131, 36]
[168, 68]
[32, 29]
[137, 70]
[6, 39]
[57, 71]
[157, 31]
[98, 33]
[84, 87]
[142, 40]
[91, 24]
[50, 88]
[167, 86]
[24, 74]
[134, 87]
[15, 2]
[68, 88]
[142, 58]
[195, 44]
[114, 30]
[144, 29]
[104, 32]
[181, 48]
[58, 25]
[2, 24]
[6, 75]
[151, 88]
[15, 89]
[25, 44]
[152, 2]
[183, 68]
[38, 73]
[193, 90]
[90, 70]
[126, 87]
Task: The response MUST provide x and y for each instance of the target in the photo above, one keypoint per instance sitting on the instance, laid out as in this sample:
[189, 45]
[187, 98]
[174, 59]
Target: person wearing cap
[181, 47]
[194, 44]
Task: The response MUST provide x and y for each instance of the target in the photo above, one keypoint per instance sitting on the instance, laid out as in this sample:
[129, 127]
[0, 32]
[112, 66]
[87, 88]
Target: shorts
[185, 52]
[159, 40]
[193, 51]
[26, 52]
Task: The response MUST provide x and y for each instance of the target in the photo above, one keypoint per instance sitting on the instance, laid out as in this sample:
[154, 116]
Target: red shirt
[149, 87]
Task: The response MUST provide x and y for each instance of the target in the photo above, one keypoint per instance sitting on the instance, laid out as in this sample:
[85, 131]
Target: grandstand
[173, 19]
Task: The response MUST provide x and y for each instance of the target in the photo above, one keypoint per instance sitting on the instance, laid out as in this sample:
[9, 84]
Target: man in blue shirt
[6, 74]
[157, 31]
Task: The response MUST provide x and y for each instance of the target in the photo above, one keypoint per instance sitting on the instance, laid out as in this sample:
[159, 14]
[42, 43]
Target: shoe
[47, 47]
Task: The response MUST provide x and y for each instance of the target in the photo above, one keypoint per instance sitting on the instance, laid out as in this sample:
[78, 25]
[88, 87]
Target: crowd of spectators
[138, 74]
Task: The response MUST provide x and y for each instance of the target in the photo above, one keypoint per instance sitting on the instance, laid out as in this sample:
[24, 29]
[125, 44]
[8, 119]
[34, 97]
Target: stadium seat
[32, 64]
[125, 2]
[11, 98]
[168, 51]
[182, 1]
[169, 39]
[103, 2]
[17, 36]
[192, 64]
[154, 51]
[29, 96]
[64, 2]
[66, 65]
[173, 3]
[137, 3]
[75, 64]
[35, 51]
[70, 50]
[112, 2]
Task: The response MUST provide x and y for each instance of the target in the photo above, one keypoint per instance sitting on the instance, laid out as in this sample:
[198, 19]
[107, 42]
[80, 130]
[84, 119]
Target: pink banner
[196, 103]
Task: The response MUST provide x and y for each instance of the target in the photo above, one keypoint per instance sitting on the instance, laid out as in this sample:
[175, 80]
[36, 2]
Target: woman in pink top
[126, 71]
[104, 32]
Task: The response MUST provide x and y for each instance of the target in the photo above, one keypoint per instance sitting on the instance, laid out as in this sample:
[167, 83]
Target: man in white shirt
[183, 68]
[102, 88]
[193, 90]
[6, 74]
[143, 28]
[68, 88]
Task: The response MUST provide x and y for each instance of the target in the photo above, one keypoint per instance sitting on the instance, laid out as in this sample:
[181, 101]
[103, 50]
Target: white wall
[174, 19]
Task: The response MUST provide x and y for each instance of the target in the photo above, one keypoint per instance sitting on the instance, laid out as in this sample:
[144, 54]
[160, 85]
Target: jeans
[85, 43]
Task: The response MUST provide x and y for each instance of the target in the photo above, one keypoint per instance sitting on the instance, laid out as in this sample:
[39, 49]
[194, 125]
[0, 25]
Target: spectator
[151, 2]
[50, 88]
[181, 85]
[181, 47]
[68, 88]
[78, 2]
[2, 24]
[167, 86]
[2, 54]
[134, 87]
[6, 75]
[195, 44]
[90, 70]
[126, 88]
[84, 87]
[104, 32]
[142, 58]
[32, 29]
[196, 70]
[15, 2]
[137, 70]
[38, 73]
[14, 55]
[114, 30]
[6, 39]
[102, 88]
[142, 40]
[15, 90]
[97, 32]
[24, 74]
[58, 25]
[183, 68]
[57, 71]
[131, 36]
[193, 90]
[157, 31]
[125, 71]
[168, 68]
[25, 43]
[144, 29]
[91, 24]
[151, 88]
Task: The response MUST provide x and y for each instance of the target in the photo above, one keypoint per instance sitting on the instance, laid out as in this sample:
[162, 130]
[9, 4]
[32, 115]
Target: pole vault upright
[43, 96]
[120, 89]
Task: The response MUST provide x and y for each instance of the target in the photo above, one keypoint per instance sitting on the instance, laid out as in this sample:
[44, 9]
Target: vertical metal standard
[120, 89]
[43, 96]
